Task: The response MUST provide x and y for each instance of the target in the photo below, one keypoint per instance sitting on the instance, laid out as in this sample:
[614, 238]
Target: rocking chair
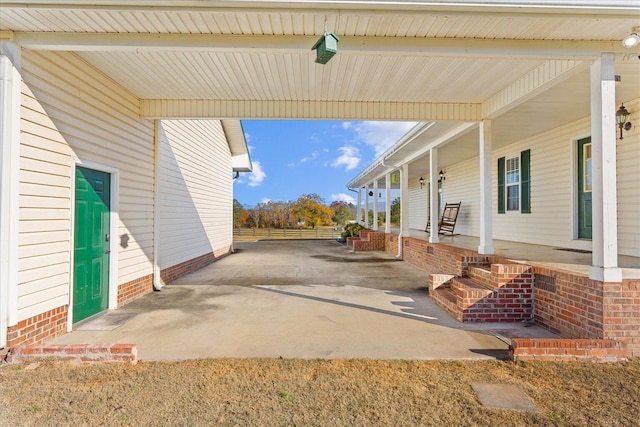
[447, 222]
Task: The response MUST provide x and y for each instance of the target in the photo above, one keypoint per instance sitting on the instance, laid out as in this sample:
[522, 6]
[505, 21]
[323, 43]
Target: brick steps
[500, 293]
[560, 350]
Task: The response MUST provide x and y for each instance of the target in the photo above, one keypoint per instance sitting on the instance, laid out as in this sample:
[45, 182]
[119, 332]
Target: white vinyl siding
[418, 207]
[196, 190]
[628, 168]
[70, 110]
[461, 184]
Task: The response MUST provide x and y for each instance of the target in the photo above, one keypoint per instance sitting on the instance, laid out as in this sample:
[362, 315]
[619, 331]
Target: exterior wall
[628, 164]
[418, 207]
[196, 191]
[70, 111]
[461, 184]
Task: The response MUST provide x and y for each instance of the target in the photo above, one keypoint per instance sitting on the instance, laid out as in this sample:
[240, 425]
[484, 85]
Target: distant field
[290, 233]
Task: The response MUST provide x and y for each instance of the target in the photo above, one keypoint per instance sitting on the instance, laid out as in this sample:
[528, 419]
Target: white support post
[603, 151]
[358, 207]
[375, 205]
[486, 214]
[387, 202]
[10, 83]
[366, 206]
[157, 281]
[404, 200]
[433, 192]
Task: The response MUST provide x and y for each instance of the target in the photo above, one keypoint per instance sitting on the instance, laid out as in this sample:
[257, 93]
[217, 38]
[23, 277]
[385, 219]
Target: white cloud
[381, 135]
[247, 137]
[305, 159]
[265, 200]
[250, 148]
[350, 158]
[342, 197]
[257, 176]
[346, 125]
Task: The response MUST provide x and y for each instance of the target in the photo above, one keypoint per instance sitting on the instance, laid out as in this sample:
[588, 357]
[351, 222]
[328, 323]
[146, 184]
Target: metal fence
[285, 233]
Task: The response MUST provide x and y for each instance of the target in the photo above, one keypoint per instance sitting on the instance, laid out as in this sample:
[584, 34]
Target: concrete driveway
[297, 299]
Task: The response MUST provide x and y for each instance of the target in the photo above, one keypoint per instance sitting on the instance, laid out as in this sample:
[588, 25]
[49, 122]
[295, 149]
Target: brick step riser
[481, 275]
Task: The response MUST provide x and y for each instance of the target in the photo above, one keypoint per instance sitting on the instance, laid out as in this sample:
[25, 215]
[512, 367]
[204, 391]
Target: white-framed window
[512, 175]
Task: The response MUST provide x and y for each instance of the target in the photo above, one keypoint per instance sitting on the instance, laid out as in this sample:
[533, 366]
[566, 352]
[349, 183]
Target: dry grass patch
[315, 393]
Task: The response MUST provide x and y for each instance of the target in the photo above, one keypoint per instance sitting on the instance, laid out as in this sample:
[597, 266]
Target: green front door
[91, 246]
[584, 188]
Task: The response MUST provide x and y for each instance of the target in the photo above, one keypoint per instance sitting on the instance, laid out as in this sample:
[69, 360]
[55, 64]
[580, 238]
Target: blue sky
[295, 157]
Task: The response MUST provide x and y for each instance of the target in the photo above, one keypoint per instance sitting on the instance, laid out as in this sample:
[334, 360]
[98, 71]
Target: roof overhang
[240, 158]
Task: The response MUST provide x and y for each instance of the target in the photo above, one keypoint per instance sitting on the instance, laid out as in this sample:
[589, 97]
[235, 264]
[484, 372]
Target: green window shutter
[501, 207]
[525, 182]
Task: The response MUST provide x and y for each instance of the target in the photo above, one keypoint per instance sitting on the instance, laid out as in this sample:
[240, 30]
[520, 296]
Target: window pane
[513, 198]
[587, 169]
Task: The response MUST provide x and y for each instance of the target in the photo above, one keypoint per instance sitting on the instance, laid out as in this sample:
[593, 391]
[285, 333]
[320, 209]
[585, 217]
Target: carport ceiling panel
[419, 22]
[295, 77]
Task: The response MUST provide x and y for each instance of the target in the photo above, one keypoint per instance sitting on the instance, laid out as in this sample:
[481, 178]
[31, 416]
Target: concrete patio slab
[300, 299]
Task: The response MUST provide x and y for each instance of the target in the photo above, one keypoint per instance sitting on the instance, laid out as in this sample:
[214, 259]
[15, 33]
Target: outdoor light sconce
[326, 47]
[441, 173]
[621, 118]
[632, 40]
[370, 193]
[421, 182]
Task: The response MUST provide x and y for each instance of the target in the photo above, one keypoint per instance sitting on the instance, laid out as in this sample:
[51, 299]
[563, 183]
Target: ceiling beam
[338, 110]
[358, 45]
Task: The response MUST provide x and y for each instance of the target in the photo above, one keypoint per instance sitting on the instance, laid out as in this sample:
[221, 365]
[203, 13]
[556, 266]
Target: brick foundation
[391, 243]
[36, 329]
[172, 273]
[134, 289]
[561, 350]
[368, 241]
[436, 258]
[75, 353]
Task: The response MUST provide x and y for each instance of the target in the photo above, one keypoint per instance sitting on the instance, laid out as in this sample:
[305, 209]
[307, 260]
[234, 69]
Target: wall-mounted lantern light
[421, 182]
[370, 193]
[621, 118]
[326, 47]
[441, 174]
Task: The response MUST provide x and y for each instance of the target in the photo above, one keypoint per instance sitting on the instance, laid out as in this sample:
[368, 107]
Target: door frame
[575, 214]
[114, 219]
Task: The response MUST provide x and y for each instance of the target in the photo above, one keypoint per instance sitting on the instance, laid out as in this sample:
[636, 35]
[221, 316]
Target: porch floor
[548, 256]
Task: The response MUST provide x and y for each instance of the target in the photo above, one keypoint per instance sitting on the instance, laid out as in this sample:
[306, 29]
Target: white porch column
[603, 151]
[404, 200]
[366, 206]
[433, 192]
[387, 201]
[486, 214]
[10, 82]
[375, 205]
[359, 207]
